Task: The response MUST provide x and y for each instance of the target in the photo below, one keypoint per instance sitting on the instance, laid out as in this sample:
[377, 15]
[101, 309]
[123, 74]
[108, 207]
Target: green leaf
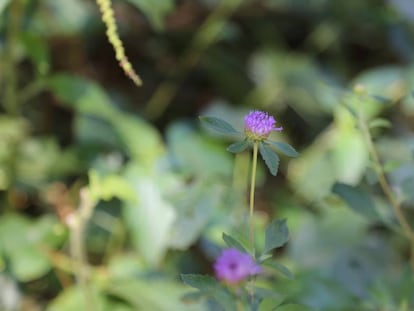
[201, 282]
[218, 125]
[192, 297]
[280, 268]
[151, 294]
[356, 199]
[271, 158]
[21, 241]
[277, 234]
[407, 187]
[197, 154]
[379, 123]
[110, 186]
[284, 148]
[211, 287]
[232, 242]
[73, 298]
[239, 146]
[37, 49]
[3, 5]
[292, 307]
[151, 217]
[84, 95]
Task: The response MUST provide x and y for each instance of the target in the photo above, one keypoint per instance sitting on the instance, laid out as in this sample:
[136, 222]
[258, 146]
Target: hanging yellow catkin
[107, 13]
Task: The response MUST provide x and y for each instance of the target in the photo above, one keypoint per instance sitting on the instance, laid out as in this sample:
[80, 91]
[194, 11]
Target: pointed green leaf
[201, 282]
[381, 99]
[209, 286]
[284, 148]
[192, 297]
[277, 234]
[218, 125]
[280, 268]
[356, 199]
[232, 242]
[379, 123]
[271, 158]
[239, 146]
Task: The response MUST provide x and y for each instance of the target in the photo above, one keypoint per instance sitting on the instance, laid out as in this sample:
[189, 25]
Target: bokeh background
[165, 186]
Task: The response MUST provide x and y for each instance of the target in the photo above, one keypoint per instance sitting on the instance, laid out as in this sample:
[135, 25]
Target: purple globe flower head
[233, 266]
[259, 124]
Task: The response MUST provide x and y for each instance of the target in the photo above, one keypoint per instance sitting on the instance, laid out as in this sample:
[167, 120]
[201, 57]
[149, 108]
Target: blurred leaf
[328, 159]
[357, 200]
[381, 123]
[238, 146]
[193, 296]
[196, 154]
[69, 18]
[201, 282]
[73, 299]
[271, 159]
[232, 242]
[3, 5]
[124, 265]
[25, 243]
[48, 231]
[34, 170]
[28, 263]
[292, 307]
[284, 148]
[280, 269]
[379, 82]
[145, 295]
[284, 76]
[84, 95]
[140, 139]
[208, 285]
[12, 132]
[277, 235]
[218, 125]
[37, 49]
[408, 188]
[155, 10]
[198, 205]
[151, 219]
[316, 237]
[110, 186]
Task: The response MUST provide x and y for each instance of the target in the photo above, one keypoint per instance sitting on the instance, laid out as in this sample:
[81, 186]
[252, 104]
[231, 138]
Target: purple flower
[233, 266]
[258, 125]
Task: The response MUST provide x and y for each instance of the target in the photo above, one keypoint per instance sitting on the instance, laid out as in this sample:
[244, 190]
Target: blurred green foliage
[166, 188]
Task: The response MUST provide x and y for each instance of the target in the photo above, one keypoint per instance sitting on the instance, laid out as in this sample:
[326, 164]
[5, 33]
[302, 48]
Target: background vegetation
[88, 157]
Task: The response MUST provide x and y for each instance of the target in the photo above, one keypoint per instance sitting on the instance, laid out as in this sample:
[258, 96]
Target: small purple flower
[233, 266]
[258, 125]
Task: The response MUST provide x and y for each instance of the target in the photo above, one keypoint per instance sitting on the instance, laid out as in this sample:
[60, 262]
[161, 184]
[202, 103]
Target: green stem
[386, 188]
[77, 247]
[252, 185]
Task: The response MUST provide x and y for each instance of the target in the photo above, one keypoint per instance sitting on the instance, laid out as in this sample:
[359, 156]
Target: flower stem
[386, 188]
[252, 185]
[77, 247]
